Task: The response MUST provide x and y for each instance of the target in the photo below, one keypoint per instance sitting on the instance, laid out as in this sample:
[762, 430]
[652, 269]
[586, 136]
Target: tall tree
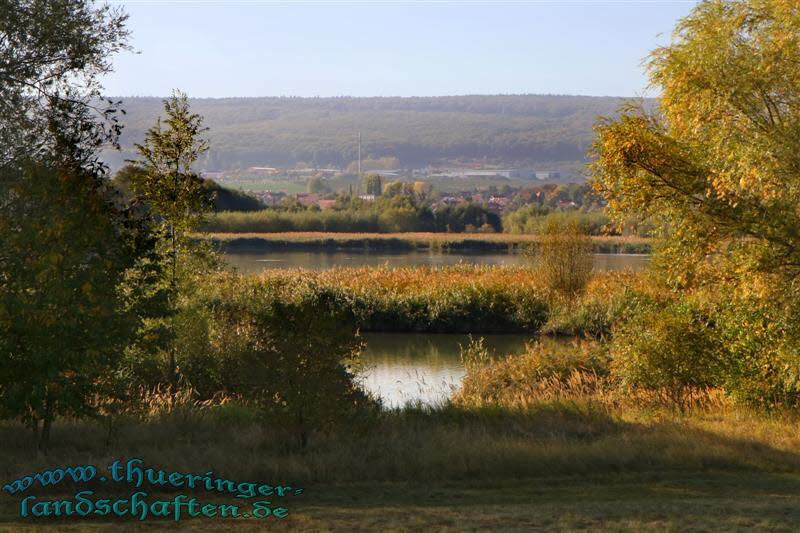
[721, 162]
[76, 272]
[373, 184]
[52, 53]
[719, 168]
[75, 264]
[316, 185]
[168, 184]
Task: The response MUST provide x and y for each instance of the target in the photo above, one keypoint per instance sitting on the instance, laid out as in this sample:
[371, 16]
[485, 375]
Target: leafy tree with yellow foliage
[719, 167]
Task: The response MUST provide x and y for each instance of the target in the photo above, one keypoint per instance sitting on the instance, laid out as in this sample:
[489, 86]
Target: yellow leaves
[69, 374]
[743, 182]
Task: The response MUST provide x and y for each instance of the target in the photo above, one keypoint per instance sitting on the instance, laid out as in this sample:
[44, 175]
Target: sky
[215, 48]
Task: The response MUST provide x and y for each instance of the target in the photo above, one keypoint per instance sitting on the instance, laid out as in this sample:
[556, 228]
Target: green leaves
[166, 180]
[74, 270]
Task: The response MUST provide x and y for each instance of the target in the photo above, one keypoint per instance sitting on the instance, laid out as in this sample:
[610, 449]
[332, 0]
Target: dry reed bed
[467, 298]
[451, 299]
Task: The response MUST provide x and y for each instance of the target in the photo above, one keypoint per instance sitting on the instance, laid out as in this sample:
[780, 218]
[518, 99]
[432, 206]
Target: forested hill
[280, 131]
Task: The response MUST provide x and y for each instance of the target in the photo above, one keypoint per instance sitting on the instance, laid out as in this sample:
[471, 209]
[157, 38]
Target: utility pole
[359, 156]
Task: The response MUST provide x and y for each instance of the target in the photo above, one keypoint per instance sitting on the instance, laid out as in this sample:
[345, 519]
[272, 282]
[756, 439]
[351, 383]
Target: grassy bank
[445, 242]
[700, 501]
[555, 466]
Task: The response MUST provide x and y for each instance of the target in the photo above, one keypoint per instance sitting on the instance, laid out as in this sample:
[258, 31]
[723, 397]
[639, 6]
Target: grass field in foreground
[553, 468]
[502, 242]
[710, 501]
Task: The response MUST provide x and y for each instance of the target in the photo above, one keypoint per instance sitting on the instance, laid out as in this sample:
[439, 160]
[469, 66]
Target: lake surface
[250, 263]
[427, 368]
[410, 367]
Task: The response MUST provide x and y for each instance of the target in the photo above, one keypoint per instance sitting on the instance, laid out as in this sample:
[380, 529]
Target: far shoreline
[440, 242]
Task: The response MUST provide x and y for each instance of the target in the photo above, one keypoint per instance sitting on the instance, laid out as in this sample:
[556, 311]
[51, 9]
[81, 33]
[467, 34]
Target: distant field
[265, 185]
[498, 242]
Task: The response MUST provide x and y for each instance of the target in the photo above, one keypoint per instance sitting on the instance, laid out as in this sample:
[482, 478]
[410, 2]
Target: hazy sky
[260, 48]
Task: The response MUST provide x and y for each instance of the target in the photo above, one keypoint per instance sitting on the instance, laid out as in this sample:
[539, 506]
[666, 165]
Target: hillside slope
[540, 130]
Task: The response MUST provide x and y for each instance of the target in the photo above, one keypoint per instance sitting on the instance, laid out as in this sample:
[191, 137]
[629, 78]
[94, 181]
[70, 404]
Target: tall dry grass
[422, 299]
[463, 298]
[553, 436]
[581, 373]
[540, 375]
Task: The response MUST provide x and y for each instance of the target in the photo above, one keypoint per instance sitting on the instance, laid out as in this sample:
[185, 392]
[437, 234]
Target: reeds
[541, 375]
[455, 299]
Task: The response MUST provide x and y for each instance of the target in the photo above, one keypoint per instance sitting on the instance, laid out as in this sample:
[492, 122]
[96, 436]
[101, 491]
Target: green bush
[671, 351]
[284, 347]
[758, 326]
[609, 298]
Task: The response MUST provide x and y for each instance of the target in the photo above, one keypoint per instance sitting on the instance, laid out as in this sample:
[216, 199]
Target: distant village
[514, 187]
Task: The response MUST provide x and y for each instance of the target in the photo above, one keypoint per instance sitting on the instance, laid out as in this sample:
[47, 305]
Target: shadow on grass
[559, 465]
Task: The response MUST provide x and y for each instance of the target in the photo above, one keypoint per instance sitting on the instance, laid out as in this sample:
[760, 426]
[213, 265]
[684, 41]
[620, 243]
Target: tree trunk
[47, 421]
[173, 370]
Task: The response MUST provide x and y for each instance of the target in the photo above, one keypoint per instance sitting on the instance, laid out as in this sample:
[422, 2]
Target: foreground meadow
[574, 463]
[541, 440]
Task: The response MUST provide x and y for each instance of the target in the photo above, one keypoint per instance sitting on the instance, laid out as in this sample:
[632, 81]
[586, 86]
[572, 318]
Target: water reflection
[411, 367]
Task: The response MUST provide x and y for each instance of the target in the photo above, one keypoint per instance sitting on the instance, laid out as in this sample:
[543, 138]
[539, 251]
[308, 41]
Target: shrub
[565, 257]
[282, 346]
[609, 297]
[671, 351]
[757, 324]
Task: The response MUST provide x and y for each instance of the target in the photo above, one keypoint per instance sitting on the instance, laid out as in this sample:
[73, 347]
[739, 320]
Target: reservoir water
[405, 368]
